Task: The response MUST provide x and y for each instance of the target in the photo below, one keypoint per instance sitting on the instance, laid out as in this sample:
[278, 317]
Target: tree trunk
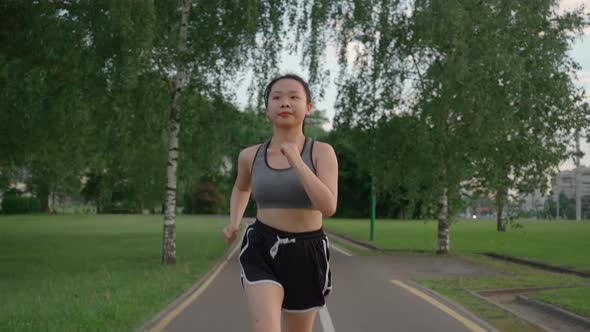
[500, 225]
[443, 215]
[500, 202]
[443, 184]
[53, 202]
[169, 233]
[43, 195]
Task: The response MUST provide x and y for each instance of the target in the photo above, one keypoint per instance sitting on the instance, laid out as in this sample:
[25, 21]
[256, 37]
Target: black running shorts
[297, 262]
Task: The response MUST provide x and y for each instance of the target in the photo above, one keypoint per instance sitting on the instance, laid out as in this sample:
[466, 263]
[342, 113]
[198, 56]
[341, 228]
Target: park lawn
[97, 272]
[573, 299]
[564, 243]
[515, 276]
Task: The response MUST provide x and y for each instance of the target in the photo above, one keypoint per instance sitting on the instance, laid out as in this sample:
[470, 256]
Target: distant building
[533, 202]
[565, 182]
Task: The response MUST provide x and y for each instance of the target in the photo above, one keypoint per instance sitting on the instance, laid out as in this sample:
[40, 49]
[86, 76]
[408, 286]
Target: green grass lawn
[564, 243]
[96, 273]
[573, 299]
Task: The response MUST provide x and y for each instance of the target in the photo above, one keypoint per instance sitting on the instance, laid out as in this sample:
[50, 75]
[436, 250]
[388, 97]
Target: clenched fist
[230, 232]
[291, 152]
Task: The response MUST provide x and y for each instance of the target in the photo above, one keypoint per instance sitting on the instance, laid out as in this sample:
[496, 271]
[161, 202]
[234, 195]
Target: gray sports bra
[280, 188]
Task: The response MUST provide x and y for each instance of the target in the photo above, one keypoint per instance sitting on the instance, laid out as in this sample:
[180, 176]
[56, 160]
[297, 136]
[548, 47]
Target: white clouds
[579, 54]
[331, 54]
[584, 77]
[355, 50]
[409, 11]
[567, 5]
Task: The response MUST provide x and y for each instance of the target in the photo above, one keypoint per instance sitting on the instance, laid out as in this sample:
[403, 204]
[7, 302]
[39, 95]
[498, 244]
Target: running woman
[285, 256]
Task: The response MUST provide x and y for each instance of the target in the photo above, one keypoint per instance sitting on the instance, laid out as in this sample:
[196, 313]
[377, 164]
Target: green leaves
[475, 90]
[488, 82]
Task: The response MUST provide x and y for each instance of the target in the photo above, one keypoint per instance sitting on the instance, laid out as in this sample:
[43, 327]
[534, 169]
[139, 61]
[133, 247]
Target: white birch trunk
[443, 216]
[169, 236]
[500, 204]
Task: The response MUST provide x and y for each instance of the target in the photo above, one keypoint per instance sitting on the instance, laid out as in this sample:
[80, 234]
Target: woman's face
[287, 103]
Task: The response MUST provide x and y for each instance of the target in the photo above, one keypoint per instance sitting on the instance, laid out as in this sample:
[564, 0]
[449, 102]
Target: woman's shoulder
[249, 152]
[322, 146]
[322, 150]
[251, 148]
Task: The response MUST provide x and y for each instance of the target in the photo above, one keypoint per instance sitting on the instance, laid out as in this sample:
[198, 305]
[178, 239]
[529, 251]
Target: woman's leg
[265, 300]
[299, 322]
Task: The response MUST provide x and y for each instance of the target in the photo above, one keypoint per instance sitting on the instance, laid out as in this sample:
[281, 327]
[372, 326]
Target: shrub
[206, 198]
[15, 205]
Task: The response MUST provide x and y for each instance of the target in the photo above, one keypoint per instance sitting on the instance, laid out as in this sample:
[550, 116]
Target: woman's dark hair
[291, 77]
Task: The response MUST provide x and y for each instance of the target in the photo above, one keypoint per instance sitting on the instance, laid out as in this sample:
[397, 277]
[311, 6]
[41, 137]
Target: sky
[580, 52]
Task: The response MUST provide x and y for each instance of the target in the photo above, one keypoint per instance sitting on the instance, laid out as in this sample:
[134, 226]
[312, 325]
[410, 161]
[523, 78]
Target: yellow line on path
[469, 324]
[176, 311]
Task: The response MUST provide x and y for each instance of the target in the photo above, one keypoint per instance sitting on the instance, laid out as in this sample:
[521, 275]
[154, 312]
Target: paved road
[371, 293]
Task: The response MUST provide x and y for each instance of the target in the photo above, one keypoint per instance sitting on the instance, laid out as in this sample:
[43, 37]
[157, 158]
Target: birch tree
[214, 41]
[533, 108]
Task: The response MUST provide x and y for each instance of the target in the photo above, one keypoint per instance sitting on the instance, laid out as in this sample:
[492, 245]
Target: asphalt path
[370, 293]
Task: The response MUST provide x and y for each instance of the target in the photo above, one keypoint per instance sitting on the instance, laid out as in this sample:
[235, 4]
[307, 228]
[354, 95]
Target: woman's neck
[294, 136]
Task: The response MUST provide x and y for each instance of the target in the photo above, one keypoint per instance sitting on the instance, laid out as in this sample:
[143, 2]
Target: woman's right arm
[240, 193]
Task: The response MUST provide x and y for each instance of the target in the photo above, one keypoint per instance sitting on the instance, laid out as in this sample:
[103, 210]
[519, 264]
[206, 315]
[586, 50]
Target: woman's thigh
[265, 300]
[299, 322]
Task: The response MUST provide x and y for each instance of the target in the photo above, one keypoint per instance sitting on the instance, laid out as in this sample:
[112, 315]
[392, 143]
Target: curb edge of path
[537, 264]
[458, 308]
[555, 311]
[151, 323]
[363, 245]
[509, 311]
[355, 243]
[517, 260]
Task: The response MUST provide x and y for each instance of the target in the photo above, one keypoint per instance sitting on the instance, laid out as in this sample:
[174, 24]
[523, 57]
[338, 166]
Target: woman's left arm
[322, 187]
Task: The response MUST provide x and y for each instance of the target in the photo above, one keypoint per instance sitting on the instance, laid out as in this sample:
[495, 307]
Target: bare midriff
[291, 220]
